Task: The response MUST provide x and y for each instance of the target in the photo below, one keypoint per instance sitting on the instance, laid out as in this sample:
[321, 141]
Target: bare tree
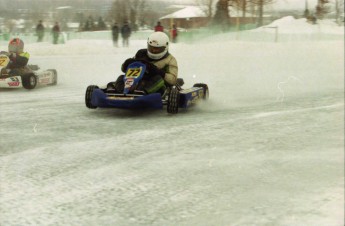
[339, 8]
[137, 9]
[207, 7]
[322, 8]
[240, 5]
[260, 5]
[119, 11]
[222, 14]
[132, 11]
[306, 12]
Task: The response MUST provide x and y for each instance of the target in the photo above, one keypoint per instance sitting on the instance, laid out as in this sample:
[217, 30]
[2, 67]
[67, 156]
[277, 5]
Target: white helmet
[157, 45]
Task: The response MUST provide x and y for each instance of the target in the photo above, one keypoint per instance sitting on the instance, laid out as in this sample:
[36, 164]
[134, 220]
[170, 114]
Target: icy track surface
[267, 149]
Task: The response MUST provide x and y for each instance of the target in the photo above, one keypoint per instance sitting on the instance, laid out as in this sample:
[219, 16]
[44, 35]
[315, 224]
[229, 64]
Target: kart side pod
[186, 97]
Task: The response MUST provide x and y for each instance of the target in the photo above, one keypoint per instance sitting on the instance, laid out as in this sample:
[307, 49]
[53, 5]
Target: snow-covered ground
[266, 149]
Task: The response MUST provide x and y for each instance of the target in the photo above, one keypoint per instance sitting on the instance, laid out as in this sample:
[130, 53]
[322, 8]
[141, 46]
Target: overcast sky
[298, 4]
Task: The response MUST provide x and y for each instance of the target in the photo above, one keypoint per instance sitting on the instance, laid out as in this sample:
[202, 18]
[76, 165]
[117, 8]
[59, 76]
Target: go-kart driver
[162, 69]
[18, 58]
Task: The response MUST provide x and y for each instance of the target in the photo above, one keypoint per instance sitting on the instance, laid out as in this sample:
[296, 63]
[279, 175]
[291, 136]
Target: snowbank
[291, 25]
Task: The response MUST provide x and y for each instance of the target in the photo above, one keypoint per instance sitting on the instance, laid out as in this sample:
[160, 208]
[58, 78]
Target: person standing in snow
[56, 33]
[174, 33]
[115, 30]
[40, 31]
[159, 27]
[161, 66]
[125, 33]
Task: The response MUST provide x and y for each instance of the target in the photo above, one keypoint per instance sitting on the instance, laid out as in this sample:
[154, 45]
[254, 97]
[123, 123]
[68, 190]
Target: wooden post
[275, 33]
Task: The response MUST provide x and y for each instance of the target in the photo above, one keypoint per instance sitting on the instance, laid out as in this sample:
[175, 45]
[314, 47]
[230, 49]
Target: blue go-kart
[173, 98]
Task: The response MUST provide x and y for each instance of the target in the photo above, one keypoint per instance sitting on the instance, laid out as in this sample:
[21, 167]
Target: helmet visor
[12, 48]
[155, 49]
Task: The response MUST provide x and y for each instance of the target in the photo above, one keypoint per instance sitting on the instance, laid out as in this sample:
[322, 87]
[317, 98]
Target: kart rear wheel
[205, 87]
[88, 96]
[29, 81]
[173, 101]
[55, 78]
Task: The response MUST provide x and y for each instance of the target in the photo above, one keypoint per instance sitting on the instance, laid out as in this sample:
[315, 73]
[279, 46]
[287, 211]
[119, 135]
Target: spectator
[115, 34]
[40, 31]
[159, 27]
[56, 33]
[174, 33]
[125, 33]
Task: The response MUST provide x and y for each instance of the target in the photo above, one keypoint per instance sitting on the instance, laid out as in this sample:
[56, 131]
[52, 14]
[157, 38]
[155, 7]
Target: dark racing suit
[18, 63]
[160, 73]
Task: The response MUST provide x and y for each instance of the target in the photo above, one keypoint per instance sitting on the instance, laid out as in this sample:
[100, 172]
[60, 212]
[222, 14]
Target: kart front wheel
[29, 81]
[205, 88]
[88, 96]
[173, 101]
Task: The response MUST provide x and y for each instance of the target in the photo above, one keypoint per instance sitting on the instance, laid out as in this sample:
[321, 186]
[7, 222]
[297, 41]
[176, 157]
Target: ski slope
[266, 149]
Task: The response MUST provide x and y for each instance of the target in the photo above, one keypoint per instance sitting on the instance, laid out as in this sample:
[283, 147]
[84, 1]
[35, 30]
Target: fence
[267, 34]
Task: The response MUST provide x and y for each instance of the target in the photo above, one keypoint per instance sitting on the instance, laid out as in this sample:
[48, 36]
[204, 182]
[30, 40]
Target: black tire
[206, 90]
[180, 82]
[55, 76]
[88, 96]
[173, 101]
[29, 81]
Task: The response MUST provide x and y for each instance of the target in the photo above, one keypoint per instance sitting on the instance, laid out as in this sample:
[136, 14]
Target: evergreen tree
[221, 16]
